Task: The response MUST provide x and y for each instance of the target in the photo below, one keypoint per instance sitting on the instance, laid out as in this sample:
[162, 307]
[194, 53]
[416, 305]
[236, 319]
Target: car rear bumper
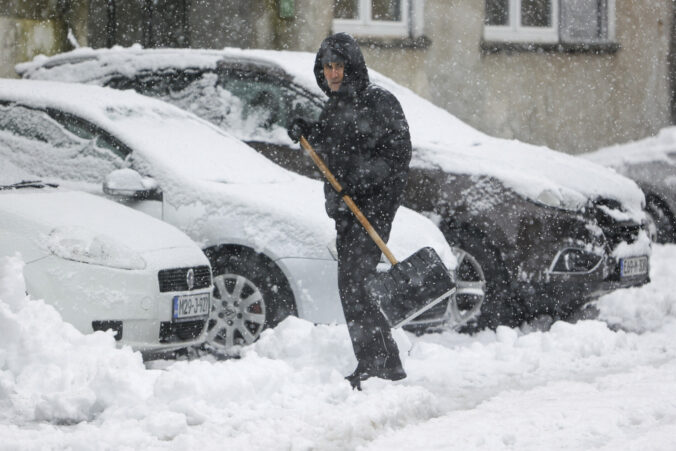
[562, 293]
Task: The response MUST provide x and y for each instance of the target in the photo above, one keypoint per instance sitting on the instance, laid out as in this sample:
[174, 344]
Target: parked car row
[549, 231]
[269, 244]
[217, 229]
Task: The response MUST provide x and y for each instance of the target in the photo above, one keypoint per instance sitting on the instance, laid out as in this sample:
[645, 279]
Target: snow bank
[51, 372]
[645, 308]
[575, 386]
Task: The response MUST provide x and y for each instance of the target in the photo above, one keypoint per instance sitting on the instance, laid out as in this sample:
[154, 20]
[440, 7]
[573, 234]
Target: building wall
[568, 101]
[573, 102]
[28, 29]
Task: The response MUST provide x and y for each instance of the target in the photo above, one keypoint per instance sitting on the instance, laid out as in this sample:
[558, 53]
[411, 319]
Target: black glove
[350, 184]
[299, 127]
[334, 205]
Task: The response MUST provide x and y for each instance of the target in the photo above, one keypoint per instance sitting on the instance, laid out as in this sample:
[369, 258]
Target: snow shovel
[411, 286]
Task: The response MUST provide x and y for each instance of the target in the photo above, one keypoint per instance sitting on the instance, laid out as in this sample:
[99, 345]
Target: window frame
[260, 75]
[515, 32]
[364, 26]
[527, 38]
[65, 119]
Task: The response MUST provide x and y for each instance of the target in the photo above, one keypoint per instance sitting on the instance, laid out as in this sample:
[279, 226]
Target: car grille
[622, 233]
[177, 279]
[615, 231]
[184, 331]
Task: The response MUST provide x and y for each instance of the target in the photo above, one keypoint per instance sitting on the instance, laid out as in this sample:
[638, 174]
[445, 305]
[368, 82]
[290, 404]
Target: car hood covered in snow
[439, 139]
[63, 214]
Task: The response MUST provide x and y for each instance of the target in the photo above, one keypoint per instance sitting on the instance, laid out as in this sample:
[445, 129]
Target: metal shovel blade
[411, 287]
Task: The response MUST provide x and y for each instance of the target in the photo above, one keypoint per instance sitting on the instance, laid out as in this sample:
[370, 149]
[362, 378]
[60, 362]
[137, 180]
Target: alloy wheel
[238, 312]
[470, 289]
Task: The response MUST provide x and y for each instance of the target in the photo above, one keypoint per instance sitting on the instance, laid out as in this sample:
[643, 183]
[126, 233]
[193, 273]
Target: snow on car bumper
[93, 297]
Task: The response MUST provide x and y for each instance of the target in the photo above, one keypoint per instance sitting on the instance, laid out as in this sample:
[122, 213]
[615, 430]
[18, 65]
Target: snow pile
[51, 372]
[661, 147]
[575, 386]
[645, 308]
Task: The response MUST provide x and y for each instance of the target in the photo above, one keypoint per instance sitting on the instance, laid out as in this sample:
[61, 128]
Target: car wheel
[470, 289]
[660, 222]
[500, 305]
[250, 295]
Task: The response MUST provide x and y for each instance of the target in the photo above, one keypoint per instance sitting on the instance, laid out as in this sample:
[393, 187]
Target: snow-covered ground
[597, 384]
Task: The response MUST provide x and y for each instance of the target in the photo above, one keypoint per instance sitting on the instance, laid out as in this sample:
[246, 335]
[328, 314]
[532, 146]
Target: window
[47, 144]
[378, 18]
[549, 21]
[266, 101]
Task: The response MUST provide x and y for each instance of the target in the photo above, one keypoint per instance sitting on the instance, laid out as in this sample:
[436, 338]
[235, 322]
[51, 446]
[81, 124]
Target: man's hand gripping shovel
[411, 286]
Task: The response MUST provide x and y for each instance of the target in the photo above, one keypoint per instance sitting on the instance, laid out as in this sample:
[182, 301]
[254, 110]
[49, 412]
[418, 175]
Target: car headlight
[82, 245]
[574, 260]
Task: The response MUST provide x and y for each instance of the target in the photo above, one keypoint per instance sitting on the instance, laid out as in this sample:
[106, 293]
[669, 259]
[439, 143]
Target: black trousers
[358, 256]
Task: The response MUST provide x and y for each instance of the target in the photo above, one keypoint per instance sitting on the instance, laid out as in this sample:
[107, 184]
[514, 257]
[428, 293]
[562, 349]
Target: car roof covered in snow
[439, 138]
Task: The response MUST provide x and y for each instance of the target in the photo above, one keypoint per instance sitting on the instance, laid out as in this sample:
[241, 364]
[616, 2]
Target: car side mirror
[129, 183]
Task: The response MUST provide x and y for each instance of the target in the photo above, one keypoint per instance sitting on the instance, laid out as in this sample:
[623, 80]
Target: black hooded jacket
[362, 135]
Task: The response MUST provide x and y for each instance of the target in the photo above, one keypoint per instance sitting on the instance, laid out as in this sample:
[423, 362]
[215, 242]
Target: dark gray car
[550, 232]
[651, 163]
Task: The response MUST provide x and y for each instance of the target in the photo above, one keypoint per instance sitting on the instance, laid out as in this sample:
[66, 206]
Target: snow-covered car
[263, 228]
[651, 163]
[105, 266]
[550, 231]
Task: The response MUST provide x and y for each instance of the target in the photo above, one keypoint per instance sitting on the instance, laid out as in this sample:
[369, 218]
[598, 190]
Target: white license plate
[633, 266]
[189, 306]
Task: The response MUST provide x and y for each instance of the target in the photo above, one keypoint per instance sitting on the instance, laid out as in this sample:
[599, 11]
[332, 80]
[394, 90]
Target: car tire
[500, 305]
[250, 295]
[660, 220]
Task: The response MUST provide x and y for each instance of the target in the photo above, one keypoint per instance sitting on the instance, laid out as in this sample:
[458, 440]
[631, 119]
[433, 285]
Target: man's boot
[390, 369]
[358, 375]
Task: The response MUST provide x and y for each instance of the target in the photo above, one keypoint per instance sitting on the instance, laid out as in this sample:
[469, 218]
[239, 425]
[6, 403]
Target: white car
[263, 228]
[104, 266]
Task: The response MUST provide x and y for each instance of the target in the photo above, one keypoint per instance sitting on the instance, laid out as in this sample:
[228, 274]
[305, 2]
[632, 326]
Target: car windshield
[192, 147]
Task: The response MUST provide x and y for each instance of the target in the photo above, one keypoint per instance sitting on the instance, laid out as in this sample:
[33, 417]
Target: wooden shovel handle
[348, 200]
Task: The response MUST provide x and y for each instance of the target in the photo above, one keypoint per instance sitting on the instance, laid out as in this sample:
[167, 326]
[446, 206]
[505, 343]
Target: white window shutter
[583, 21]
[417, 18]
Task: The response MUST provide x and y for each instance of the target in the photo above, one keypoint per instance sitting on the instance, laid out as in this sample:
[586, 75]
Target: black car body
[550, 231]
[651, 163]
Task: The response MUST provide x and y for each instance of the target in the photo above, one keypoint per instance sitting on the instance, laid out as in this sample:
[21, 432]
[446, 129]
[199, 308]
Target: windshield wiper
[29, 184]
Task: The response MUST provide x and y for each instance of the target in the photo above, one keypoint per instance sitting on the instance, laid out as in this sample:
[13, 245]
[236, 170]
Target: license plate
[633, 266]
[189, 306]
